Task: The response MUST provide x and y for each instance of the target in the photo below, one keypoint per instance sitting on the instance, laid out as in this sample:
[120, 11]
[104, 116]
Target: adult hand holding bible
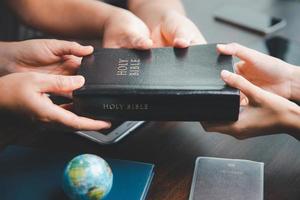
[122, 29]
[266, 84]
[267, 72]
[167, 23]
[46, 56]
[156, 24]
[27, 93]
[265, 112]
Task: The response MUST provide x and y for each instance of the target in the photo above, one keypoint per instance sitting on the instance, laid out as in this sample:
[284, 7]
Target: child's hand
[122, 29]
[267, 72]
[266, 113]
[47, 56]
[27, 93]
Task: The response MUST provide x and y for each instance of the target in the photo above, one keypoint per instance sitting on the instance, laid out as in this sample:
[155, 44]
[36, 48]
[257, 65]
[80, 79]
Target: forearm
[71, 18]
[154, 8]
[295, 83]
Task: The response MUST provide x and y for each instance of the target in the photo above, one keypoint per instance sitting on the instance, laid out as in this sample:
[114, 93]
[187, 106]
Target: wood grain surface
[174, 146]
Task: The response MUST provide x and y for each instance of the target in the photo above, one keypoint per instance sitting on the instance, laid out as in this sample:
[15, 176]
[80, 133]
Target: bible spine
[160, 107]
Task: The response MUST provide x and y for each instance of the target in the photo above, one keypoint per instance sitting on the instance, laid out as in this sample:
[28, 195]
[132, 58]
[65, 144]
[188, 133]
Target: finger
[158, 38]
[111, 44]
[181, 43]
[225, 127]
[175, 34]
[184, 38]
[60, 83]
[71, 120]
[140, 42]
[239, 82]
[239, 51]
[199, 39]
[243, 99]
[67, 106]
[72, 62]
[61, 47]
[238, 66]
[181, 38]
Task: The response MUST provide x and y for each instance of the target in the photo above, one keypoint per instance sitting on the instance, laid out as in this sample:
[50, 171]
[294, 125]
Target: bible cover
[230, 179]
[157, 84]
[35, 174]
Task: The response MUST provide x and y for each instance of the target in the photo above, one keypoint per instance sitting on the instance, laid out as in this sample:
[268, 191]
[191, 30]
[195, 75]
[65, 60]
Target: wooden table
[174, 146]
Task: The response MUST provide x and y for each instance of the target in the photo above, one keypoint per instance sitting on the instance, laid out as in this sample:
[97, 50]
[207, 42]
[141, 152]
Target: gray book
[227, 179]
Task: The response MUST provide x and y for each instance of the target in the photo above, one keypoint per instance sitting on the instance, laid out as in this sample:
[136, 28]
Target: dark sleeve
[8, 23]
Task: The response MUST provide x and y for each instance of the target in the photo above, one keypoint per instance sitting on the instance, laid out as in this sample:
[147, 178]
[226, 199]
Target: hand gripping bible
[162, 84]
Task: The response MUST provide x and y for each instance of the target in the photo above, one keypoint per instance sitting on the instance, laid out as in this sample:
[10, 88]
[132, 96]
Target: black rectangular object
[158, 84]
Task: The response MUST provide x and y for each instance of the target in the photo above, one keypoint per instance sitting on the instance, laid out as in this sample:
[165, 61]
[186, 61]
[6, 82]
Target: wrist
[295, 83]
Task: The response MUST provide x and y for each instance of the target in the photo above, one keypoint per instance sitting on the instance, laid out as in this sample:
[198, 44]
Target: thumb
[240, 52]
[239, 82]
[175, 33]
[61, 84]
[181, 38]
[141, 42]
[184, 38]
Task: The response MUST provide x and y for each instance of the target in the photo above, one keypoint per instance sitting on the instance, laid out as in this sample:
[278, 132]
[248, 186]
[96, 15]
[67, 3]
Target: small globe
[87, 177]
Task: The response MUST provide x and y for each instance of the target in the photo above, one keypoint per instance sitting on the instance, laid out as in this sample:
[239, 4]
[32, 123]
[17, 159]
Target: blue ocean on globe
[87, 177]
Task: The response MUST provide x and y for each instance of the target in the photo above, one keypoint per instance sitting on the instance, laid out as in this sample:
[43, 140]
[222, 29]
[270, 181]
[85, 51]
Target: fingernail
[78, 80]
[139, 42]
[181, 42]
[149, 42]
[225, 74]
[144, 43]
[108, 125]
[244, 102]
[221, 46]
[91, 48]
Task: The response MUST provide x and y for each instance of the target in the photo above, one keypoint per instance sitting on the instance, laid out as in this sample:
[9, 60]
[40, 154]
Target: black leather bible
[158, 85]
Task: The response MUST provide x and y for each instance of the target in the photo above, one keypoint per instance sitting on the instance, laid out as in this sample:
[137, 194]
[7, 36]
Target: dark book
[158, 84]
[36, 174]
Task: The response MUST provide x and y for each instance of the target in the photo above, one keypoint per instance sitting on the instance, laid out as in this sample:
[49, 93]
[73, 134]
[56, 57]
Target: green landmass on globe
[87, 177]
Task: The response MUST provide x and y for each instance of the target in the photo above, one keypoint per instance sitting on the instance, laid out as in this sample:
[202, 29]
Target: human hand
[265, 113]
[27, 93]
[176, 30]
[123, 29]
[45, 56]
[265, 71]
[167, 22]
